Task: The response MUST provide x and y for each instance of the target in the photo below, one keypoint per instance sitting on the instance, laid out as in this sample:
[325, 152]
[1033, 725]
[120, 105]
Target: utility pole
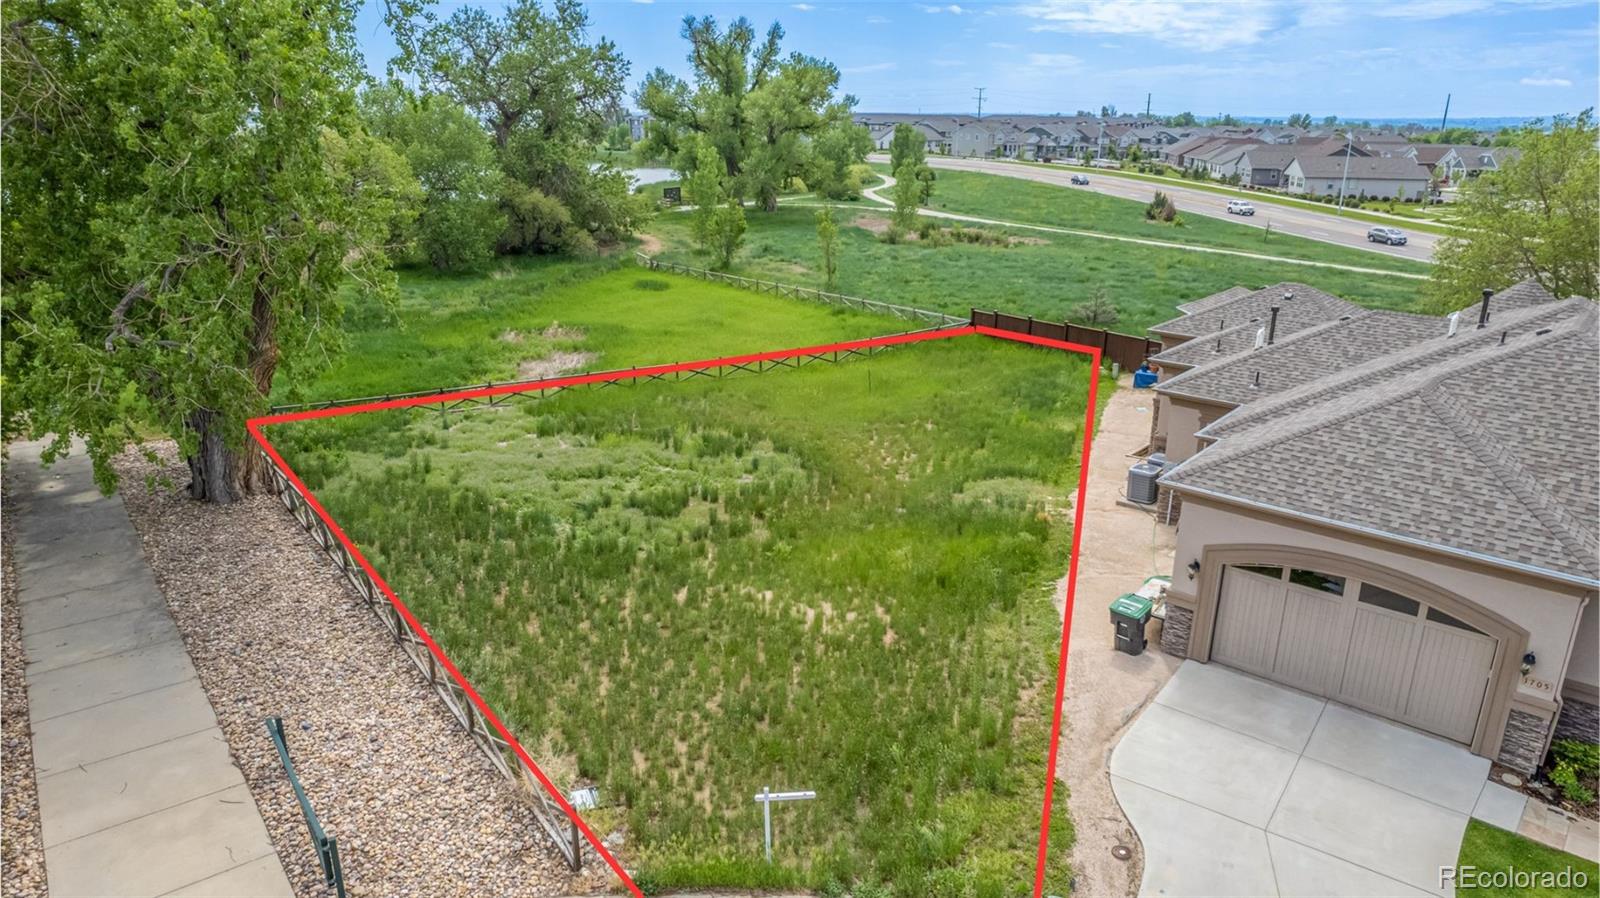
[1147, 105]
[1349, 141]
[979, 98]
[1446, 118]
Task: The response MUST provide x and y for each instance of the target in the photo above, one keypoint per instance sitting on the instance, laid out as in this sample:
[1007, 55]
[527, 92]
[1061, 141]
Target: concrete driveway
[1241, 787]
[1300, 222]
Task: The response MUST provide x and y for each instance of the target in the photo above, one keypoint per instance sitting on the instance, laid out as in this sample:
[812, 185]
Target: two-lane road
[1308, 223]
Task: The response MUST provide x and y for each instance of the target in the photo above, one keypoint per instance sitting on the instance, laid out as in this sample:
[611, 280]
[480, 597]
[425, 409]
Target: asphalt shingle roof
[1196, 306]
[1482, 455]
[1307, 301]
[1389, 168]
[1301, 354]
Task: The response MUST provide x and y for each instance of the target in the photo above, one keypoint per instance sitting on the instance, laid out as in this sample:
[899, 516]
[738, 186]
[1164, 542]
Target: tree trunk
[221, 473]
[211, 466]
[769, 199]
[250, 474]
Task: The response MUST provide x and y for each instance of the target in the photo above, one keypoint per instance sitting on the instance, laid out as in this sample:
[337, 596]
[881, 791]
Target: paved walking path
[138, 794]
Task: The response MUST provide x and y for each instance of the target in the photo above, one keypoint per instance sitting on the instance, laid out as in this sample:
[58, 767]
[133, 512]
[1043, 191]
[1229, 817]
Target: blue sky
[1367, 59]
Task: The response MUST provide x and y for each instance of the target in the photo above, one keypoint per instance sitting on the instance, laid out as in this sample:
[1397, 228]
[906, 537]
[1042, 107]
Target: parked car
[1391, 236]
[1080, 179]
[1240, 207]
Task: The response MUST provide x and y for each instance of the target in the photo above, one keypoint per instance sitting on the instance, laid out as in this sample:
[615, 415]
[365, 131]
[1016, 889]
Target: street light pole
[1349, 141]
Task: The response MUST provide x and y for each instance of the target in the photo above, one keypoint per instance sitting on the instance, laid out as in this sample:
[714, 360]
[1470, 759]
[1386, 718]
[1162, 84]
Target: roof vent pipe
[1455, 321]
[1272, 324]
[1483, 310]
[1261, 337]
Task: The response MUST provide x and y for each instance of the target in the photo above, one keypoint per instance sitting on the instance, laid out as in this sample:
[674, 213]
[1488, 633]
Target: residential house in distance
[1383, 511]
[1379, 176]
[1262, 166]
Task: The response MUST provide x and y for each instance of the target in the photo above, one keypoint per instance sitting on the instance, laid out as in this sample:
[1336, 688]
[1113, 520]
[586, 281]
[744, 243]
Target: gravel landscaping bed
[274, 630]
[21, 847]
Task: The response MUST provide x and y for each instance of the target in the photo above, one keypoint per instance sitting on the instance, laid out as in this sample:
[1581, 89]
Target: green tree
[619, 137]
[461, 185]
[907, 191]
[835, 155]
[909, 146]
[760, 111]
[1536, 217]
[703, 189]
[727, 228]
[545, 94]
[828, 242]
[220, 198]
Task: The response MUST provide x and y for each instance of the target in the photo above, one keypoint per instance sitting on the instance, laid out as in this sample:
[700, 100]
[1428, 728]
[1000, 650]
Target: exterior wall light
[1528, 661]
[1194, 567]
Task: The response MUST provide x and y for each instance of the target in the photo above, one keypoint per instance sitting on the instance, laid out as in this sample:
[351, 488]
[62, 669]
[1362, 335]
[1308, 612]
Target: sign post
[767, 797]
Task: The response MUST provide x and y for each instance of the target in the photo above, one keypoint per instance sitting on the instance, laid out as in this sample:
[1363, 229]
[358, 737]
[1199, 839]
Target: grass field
[1014, 199]
[457, 329]
[1491, 850]
[1045, 276]
[836, 578]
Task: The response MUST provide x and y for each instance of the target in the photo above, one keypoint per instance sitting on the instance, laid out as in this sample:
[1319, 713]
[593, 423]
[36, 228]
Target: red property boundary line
[255, 425]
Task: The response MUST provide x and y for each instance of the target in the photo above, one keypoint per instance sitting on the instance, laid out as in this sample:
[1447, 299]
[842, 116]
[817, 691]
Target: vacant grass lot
[836, 578]
[1045, 275]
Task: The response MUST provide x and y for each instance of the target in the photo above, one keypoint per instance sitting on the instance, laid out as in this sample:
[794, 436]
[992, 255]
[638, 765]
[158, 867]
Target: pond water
[642, 176]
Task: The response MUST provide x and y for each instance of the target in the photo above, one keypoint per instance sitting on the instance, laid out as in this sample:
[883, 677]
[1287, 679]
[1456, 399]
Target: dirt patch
[1027, 241]
[650, 244]
[22, 849]
[556, 363]
[877, 224]
[558, 332]
[510, 336]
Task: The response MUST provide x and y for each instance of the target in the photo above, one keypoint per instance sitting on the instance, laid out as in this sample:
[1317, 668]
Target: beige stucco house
[1395, 512]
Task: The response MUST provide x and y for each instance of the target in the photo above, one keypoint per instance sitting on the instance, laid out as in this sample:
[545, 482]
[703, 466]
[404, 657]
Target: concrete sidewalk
[138, 794]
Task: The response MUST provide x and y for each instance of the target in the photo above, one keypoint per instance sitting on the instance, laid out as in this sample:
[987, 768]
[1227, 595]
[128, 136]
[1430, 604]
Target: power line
[979, 98]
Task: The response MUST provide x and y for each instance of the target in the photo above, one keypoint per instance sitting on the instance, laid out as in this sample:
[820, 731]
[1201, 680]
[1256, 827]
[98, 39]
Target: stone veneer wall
[1579, 720]
[1523, 747]
[1175, 631]
[1163, 496]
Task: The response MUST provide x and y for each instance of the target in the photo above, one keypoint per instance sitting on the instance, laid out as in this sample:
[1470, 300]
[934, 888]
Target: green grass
[1492, 849]
[836, 578]
[1046, 277]
[1435, 226]
[1014, 199]
[455, 330]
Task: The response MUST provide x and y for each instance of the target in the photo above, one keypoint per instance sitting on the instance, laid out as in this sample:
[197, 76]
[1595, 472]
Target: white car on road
[1240, 207]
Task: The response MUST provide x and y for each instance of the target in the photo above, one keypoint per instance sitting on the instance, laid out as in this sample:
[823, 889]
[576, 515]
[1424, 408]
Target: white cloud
[1197, 25]
[1054, 60]
[644, 2]
[952, 9]
[803, 7]
[1545, 82]
[868, 69]
[998, 45]
[947, 63]
[877, 20]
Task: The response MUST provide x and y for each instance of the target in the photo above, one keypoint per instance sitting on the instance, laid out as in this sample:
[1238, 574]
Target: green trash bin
[1129, 614]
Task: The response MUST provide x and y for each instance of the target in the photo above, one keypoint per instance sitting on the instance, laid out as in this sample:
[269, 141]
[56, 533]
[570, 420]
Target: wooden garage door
[1357, 643]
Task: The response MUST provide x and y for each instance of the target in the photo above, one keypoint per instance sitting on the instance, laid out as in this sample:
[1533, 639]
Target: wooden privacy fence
[909, 313]
[1124, 349]
[551, 818]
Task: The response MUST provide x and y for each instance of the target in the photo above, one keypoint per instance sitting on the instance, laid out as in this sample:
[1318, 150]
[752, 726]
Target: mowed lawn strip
[835, 578]
[1495, 851]
[1040, 274]
[1013, 199]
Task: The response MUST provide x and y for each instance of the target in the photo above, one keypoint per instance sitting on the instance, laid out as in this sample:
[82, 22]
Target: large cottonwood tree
[1538, 216]
[760, 111]
[187, 190]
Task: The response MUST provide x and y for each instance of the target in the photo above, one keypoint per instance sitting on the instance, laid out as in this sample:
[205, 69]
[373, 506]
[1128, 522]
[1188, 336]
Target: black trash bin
[1129, 613]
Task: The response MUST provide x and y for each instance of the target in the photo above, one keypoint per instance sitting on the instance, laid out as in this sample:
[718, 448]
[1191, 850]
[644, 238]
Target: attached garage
[1336, 635]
